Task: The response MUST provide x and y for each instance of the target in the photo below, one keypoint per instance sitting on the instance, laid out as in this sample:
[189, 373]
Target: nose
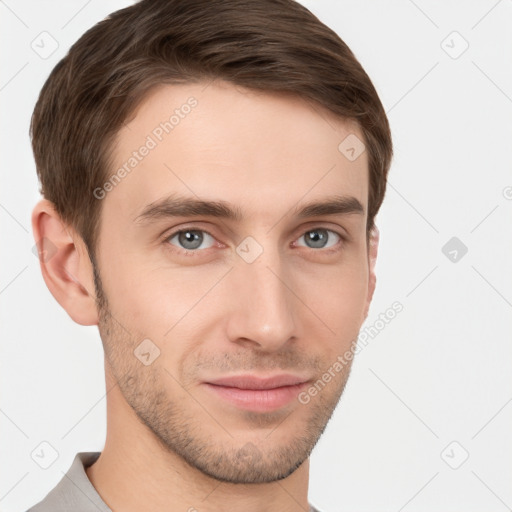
[263, 314]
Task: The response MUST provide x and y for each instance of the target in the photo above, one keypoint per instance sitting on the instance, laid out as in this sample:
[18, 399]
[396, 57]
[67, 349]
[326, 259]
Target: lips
[255, 382]
[256, 393]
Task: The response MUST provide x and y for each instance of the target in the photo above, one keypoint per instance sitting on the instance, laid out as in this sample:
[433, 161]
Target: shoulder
[74, 491]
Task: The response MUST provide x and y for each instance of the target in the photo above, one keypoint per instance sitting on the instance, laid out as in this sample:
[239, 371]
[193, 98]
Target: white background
[439, 372]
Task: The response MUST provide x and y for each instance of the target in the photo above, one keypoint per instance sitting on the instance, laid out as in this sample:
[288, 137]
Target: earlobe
[65, 264]
[372, 258]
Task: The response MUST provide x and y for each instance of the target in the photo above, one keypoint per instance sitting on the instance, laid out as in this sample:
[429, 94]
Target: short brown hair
[267, 45]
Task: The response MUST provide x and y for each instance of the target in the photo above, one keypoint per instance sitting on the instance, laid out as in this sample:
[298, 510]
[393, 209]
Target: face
[228, 294]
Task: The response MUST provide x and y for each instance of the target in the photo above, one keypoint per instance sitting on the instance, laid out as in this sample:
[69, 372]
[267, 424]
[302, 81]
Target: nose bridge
[265, 308]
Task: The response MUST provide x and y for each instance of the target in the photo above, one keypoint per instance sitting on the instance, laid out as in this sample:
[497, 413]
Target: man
[211, 172]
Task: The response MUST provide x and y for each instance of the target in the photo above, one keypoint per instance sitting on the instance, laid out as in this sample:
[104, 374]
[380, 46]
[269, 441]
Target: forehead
[263, 152]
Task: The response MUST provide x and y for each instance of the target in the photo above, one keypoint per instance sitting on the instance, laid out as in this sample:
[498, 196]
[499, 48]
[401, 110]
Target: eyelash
[187, 252]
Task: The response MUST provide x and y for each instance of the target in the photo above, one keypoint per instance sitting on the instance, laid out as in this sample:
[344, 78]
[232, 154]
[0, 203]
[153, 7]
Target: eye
[191, 239]
[320, 238]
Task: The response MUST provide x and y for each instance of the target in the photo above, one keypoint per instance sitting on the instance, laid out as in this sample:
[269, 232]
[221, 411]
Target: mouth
[255, 393]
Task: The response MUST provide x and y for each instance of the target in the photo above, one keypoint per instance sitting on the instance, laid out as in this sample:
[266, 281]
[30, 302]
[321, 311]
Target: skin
[296, 308]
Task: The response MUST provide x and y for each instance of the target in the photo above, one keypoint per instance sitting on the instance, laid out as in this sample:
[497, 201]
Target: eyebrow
[180, 206]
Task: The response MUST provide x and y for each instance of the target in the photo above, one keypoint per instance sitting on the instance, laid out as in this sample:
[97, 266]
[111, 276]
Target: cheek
[162, 298]
[153, 293]
[337, 295]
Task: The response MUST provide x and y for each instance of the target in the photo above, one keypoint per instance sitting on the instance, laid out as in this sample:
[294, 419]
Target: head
[211, 173]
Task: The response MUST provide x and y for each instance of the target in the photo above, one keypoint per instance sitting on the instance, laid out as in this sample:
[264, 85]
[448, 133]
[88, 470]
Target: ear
[65, 264]
[372, 258]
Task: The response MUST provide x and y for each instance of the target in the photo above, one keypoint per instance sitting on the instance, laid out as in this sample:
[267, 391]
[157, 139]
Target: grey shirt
[75, 493]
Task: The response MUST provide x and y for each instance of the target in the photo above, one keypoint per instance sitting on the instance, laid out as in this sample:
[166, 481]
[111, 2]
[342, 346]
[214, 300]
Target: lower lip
[259, 400]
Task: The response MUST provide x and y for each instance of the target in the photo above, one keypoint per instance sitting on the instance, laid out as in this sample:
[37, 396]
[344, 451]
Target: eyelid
[343, 239]
[333, 228]
[172, 234]
[319, 225]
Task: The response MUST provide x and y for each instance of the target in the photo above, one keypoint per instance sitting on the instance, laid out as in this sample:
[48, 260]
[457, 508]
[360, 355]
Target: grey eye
[191, 239]
[319, 238]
